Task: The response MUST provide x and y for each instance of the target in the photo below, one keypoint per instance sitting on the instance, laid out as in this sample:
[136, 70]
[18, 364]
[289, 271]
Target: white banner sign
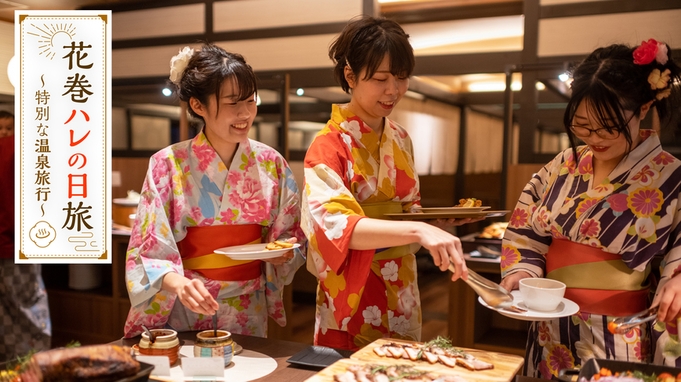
[63, 162]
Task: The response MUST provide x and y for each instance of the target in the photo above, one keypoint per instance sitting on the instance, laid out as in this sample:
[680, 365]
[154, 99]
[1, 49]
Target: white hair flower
[178, 63]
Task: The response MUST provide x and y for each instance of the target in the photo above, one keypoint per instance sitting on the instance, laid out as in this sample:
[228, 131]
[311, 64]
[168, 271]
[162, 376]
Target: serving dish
[593, 366]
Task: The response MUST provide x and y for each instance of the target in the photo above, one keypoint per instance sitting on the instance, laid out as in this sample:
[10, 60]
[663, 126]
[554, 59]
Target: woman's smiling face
[375, 98]
[605, 149]
[231, 121]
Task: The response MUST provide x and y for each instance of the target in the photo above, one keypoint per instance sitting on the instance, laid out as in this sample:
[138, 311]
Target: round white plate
[444, 210]
[565, 308]
[125, 202]
[246, 366]
[252, 251]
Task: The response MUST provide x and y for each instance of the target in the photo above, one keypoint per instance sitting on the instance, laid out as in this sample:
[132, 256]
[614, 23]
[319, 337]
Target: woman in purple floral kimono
[218, 189]
[596, 216]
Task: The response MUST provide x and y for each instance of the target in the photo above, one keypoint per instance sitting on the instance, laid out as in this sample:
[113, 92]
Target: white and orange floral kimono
[600, 240]
[349, 175]
[192, 204]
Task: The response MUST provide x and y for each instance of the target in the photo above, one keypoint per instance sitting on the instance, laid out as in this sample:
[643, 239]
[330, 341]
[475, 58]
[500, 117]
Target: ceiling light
[300, 92]
[539, 86]
[564, 77]
[166, 92]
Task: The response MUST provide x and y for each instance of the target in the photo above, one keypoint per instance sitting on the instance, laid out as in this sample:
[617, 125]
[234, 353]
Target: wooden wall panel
[518, 176]
[132, 171]
[580, 35]
[6, 52]
[231, 16]
[159, 22]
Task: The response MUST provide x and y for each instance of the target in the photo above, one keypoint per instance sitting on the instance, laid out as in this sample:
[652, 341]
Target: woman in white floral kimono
[218, 189]
[596, 216]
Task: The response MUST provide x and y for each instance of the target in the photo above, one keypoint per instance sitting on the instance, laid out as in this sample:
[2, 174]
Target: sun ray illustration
[46, 36]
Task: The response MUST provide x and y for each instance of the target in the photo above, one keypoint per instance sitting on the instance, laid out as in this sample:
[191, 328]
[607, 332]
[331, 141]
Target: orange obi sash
[196, 250]
[598, 281]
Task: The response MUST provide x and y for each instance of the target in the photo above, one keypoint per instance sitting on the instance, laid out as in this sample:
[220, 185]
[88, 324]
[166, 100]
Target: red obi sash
[598, 281]
[196, 250]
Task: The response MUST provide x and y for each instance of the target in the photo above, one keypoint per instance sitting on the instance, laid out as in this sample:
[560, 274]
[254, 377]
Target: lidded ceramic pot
[165, 343]
[209, 345]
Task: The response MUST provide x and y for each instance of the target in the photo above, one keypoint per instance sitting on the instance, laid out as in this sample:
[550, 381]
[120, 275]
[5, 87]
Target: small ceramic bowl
[209, 345]
[166, 343]
[542, 294]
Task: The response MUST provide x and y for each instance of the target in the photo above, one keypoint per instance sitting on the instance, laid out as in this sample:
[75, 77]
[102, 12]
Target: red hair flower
[646, 52]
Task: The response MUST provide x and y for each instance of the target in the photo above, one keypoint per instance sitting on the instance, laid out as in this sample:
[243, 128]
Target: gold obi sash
[598, 281]
[196, 250]
[377, 211]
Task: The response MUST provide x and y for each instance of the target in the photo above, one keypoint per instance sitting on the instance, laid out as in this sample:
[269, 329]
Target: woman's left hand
[286, 256]
[669, 300]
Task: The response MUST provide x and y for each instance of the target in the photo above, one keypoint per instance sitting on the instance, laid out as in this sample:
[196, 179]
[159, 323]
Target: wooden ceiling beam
[427, 11]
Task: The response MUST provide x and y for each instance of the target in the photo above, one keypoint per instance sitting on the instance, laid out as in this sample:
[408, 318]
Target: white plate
[444, 210]
[453, 214]
[125, 202]
[252, 251]
[565, 308]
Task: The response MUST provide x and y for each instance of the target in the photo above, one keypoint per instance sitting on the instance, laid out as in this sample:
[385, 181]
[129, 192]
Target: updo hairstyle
[206, 71]
[364, 42]
[610, 81]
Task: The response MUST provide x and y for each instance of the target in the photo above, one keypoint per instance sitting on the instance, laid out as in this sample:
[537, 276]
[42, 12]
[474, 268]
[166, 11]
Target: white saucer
[252, 251]
[565, 308]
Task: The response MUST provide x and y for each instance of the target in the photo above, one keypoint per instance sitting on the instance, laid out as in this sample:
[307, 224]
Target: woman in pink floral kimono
[596, 216]
[218, 189]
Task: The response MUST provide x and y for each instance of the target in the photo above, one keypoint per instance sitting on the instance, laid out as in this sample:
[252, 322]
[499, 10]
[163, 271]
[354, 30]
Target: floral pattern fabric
[188, 185]
[360, 295]
[634, 212]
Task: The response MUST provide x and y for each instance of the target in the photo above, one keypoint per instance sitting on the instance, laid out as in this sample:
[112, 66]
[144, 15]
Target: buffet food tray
[505, 365]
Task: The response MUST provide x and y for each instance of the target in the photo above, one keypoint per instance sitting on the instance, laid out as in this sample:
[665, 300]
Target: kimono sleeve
[152, 251]
[667, 350]
[285, 225]
[330, 210]
[523, 248]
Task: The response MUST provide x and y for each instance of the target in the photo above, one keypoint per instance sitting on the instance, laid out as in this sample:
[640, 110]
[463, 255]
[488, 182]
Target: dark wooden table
[279, 350]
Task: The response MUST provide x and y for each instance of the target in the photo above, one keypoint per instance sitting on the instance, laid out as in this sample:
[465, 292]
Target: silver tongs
[622, 325]
[490, 292]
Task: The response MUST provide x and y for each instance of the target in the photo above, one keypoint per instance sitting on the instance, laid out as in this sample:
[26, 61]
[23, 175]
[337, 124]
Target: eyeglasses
[603, 132]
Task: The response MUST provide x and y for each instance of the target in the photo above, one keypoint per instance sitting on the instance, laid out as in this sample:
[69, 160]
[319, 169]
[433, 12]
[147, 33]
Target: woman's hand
[512, 281]
[669, 300]
[191, 293]
[445, 249]
[286, 256]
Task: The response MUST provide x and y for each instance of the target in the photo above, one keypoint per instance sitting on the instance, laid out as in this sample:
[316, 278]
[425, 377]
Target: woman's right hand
[512, 281]
[445, 249]
[191, 293]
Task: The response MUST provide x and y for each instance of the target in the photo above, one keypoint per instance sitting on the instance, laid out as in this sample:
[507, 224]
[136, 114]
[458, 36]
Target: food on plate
[469, 202]
[98, 363]
[386, 373]
[278, 244]
[606, 375]
[494, 231]
[439, 350]
[612, 327]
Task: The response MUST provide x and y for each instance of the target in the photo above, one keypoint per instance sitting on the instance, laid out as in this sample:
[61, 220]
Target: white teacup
[541, 294]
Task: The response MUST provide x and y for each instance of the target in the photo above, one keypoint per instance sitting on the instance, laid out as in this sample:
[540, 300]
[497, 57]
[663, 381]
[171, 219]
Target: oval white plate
[252, 251]
[125, 202]
[565, 308]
